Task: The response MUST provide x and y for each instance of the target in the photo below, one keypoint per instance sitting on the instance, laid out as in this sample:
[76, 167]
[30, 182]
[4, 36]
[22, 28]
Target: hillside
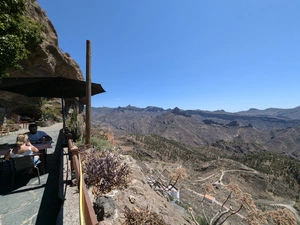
[269, 179]
[196, 128]
[258, 152]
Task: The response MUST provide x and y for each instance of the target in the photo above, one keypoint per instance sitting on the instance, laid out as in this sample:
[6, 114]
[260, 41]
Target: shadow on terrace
[30, 202]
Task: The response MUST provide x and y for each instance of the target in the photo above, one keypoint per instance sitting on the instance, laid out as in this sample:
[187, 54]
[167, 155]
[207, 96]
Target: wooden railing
[87, 213]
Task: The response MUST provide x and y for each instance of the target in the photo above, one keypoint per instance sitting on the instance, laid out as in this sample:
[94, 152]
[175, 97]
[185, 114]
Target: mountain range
[256, 149]
[275, 129]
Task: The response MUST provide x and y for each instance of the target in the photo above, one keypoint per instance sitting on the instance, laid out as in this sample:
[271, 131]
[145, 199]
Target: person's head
[32, 128]
[21, 139]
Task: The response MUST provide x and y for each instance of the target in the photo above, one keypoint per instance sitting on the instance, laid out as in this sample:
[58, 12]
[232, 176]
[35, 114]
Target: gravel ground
[70, 210]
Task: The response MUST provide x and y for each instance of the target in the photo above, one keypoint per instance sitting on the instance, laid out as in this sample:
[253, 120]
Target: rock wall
[47, 60]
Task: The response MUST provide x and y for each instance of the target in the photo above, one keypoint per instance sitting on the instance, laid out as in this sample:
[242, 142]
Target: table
[25, 121]
[41, 146]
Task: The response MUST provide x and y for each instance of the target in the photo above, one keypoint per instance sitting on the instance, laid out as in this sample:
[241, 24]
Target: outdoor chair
[22, 165]
[1, 165]
[6, 166]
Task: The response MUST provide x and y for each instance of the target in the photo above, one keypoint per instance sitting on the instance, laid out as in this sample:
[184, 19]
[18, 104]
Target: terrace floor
[29, 202]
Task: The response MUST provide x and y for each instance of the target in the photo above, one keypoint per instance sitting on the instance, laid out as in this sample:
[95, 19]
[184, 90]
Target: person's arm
[28, 146]
[45, 137]
[33, 148]
[48, 138]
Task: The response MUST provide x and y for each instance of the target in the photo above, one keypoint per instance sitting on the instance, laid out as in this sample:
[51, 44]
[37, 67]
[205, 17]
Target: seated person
[35, 135]
[24, 147]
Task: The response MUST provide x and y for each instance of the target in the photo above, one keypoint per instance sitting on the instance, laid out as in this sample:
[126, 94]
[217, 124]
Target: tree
[237, 201]
[243, 200]
[206, 188]
[179, 173]
[19, 34]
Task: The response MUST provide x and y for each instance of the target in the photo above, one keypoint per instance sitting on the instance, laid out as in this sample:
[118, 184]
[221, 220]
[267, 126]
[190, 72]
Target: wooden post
[88, 93]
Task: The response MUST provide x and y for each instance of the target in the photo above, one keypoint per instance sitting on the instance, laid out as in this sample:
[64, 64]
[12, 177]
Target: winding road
[219, 181]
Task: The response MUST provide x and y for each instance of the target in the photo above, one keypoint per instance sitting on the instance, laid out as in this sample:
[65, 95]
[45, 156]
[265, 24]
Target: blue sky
[192, 54]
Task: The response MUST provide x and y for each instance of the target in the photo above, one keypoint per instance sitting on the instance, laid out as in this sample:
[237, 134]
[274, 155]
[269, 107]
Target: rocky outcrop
[46, 60]
[138, 196]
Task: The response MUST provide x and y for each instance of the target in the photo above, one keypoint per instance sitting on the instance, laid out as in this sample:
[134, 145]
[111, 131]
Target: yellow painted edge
[80, 194]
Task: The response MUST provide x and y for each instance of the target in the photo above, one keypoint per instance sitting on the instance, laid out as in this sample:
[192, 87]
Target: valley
[258, 153]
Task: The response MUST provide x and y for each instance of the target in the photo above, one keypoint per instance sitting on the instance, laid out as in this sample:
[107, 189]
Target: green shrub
[201, 220]
[76, 125]
[19, 34]
[10, 122]
[99, 143]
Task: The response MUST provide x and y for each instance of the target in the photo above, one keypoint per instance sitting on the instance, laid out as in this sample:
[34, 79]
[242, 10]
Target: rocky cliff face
[47, 60]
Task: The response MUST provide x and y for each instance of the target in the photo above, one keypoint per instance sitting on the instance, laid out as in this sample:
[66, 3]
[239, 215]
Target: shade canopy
[51, 87]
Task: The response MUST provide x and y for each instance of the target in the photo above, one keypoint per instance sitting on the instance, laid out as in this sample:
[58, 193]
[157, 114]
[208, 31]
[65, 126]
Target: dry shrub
[142, 217]
[103, 133]
[282, 217]
[104, 171]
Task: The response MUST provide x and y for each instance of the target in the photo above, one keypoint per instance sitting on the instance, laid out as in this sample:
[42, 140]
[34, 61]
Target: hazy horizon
[193, 109]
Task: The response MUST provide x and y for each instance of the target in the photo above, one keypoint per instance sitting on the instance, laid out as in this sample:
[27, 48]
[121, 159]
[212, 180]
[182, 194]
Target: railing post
[68, 137]
[74, 153]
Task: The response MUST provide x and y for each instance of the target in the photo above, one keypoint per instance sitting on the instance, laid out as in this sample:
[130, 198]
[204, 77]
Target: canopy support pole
[64, 140]
[88, 93]
[63, 113]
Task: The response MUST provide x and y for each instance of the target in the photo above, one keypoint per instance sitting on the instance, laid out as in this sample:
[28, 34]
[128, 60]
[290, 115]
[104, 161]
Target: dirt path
[226, 171]
[216, 202]
[289, 207]
[223, 173]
